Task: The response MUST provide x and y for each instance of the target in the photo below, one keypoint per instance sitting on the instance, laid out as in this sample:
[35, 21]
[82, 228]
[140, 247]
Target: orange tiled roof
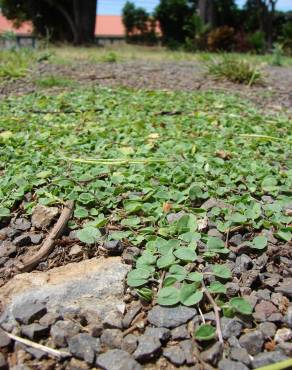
[109, 25]
[106, 25]
[6, 25]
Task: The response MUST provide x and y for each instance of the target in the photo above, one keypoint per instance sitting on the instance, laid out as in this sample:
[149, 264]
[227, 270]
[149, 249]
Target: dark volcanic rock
[285, 287]
[22, 240]
[130, 254]
[231, 327]
[29, 312]
[117, 360]
[162, 334]
[3, 363]
[4, 339]
[21, 224]
[268, 358]
[132, 311]
[35, 331]
[181, 332]
[112, 338]
[252, 342]
[231, 365]
[243, 263]
[240, 355]
[84, 347]
[7, 248]
[268, 329]
[213, 354]
[129, 343]
[170, 317]
[148, 348]
[188, 347]
[175, 355]
[61, 331]
[113, 247]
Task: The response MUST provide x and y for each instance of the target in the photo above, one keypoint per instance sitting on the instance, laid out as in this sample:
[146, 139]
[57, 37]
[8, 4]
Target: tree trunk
[270, 22]
[206, 11]
[85, 16]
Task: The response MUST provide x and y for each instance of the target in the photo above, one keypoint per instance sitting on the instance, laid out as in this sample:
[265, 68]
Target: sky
[114, 7]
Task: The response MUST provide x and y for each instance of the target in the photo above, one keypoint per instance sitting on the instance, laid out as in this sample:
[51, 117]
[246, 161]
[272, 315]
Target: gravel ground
[274, 95]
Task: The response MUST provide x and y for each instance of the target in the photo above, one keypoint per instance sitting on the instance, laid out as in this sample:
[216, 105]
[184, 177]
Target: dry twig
[216, 312]
[41, 347]
[49, 243]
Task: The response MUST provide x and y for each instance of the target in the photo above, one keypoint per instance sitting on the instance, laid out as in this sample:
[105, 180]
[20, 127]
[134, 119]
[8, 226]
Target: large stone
[252, 342]
[112, 338]
[117, 359]
[268, 358]
[148, 348]
[43, 216]
[95, 285]
[170, 317]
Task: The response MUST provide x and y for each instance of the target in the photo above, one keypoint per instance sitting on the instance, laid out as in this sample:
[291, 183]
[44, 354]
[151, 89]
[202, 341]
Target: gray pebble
[4, 339]
[268, 358]
[162, 334]
[117, 360]
[231, 327]
[84, 347]
[148, 348]
[170, 317]
[35, 331]
[253, 342]
[231, 365]
[240, 355]
[112, 338]
[29, 312]
[268, 329]
[175, 355]
[61, 331]
[129, 343]
[181, 332]
[213, 354]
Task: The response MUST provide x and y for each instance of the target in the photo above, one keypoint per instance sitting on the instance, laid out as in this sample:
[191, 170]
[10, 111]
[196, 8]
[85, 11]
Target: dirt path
[274, 95]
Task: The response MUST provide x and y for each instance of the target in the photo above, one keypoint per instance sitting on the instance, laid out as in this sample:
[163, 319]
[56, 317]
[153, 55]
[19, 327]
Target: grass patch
[13, 64]
[235, 70]
[53, 81]
[128, 162]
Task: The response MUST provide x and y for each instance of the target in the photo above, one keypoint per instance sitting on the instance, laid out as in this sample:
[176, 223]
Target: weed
[52, 81]
[110, 57]
[13, 64]
[278, 53]
[235, 70]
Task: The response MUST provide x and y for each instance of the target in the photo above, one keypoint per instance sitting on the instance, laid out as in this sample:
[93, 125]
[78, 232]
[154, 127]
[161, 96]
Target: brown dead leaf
[270, 346]
[224, 155]
[166, 207]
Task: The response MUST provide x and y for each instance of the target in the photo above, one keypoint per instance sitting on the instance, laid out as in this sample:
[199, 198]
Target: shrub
[222, 38]
[286, 38]
[277, 54]
[257, 41]
[235, 70]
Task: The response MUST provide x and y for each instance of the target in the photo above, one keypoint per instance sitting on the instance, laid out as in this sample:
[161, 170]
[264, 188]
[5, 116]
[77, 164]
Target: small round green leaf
[221, 271]
[259, 242]
[89, 235]
[241, 305]
[165, 261]
[186, 254]
[197, 277]
[138, 277]
[216, 288]
[168, 296]
[205, 332]
[189, 296]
